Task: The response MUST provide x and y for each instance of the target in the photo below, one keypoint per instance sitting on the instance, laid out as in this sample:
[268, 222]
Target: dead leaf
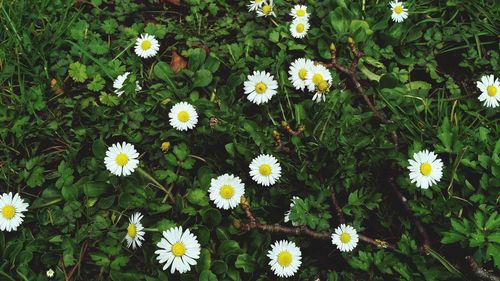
[177, 63]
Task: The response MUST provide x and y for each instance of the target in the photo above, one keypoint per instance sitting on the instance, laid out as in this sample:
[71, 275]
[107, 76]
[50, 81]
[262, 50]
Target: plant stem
[156, 183]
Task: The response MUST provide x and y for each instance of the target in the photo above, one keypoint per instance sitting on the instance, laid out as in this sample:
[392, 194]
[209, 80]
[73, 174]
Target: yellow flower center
[492, 90]
[260, 88]
[121, 159]
[302, 73]
[266, 9]
[183, 116]
[300, 28]
[398, 9]
[317, 78]
[8, 211]
[178, 249]
[131, 230]
[258, 1]
[301, 13]
[226, 191]
[145, 45]
[323, 86]
[265, 170]
[345, 238]
[285, 258]
[425, 169]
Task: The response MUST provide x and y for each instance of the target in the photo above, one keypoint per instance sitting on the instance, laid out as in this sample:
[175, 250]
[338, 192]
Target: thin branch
[279, 144]
[479, 271]
[351, 73]
[300, 230]
[338, 210]
[82, 255]
[286, 126]
[426, 243]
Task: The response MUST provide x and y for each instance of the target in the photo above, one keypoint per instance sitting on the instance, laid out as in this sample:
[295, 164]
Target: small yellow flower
[165, 146]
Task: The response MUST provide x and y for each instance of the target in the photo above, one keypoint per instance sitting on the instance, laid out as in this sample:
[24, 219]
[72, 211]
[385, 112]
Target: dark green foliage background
[421, 74]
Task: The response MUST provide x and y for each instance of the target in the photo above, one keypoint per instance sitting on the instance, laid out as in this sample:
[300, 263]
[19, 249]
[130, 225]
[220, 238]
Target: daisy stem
[156, 183]
[55, 201]
[151, 229]
[275, 23]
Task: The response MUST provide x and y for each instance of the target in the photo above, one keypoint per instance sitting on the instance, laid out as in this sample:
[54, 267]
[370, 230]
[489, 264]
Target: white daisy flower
[12, 208]
[345, 238]
[299, 27]
[118, 83]
[121, 159]
[50, 273]
[226, 191]
[425, 169]
[299, 11]
[255, 5]
[489, 87]
[146, 46]
[135, 231]
[399, 12]
[286, 258]
[267, 9]
[287, 214]
[298, 72]
[183, 116]
[260, 87]
[265, 169]
[178, 249]
[319, 80]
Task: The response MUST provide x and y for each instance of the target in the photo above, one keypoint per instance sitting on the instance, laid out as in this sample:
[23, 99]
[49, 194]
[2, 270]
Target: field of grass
[341, 148]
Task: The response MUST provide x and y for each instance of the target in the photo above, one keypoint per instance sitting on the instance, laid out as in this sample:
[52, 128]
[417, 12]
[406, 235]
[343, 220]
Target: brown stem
[338, 210]
[426, 243]
[286, 126]
[82, 255]
[351, 73]
[299, 230]
[279, 144]
[479, 271]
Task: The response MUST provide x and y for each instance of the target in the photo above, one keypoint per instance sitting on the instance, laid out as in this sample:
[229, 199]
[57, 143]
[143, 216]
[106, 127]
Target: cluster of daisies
[300, 23]
[304, 74]
[146, 46]
[179, 249]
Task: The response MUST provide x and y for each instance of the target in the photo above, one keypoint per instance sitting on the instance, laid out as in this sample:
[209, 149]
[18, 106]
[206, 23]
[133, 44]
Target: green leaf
[198, 196]
[245, 262]
[181, 151]
[324, 49]
[202, 78]
[36, 178]
[109, 100]
[207, 275]
[78, 72]
[94, 189]
[196, 59]
[96, 84]
[211, 216]
[163, 71]
[451, 237]
[340, 19]
[368, 73]
[228, 247]
[158, 30]
[109, 26]
[119, 262]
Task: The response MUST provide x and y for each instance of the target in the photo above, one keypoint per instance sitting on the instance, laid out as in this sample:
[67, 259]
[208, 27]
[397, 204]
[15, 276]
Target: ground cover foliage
[412, 86]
